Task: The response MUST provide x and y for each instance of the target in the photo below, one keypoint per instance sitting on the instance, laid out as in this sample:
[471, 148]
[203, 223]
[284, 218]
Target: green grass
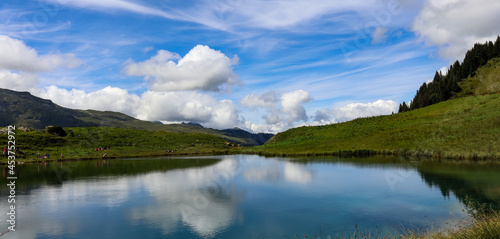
[80, 143]
[466, 127]
[486, 227]
[486, 80]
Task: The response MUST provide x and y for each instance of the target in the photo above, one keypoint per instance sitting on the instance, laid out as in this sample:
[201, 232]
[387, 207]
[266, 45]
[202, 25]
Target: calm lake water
[241, 196]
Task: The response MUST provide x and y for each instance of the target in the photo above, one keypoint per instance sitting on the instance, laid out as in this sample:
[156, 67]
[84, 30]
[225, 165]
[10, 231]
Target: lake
[242, 196]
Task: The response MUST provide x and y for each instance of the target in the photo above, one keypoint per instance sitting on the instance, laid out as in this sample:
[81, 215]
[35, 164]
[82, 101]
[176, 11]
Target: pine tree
[497, 47]
[405, 107]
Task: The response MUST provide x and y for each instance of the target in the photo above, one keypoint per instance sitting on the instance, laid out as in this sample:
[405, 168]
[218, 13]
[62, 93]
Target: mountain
[24, 109]
[466, 126]
[252, 139]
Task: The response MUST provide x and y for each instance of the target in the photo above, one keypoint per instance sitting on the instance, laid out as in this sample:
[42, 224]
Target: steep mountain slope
[23, 109]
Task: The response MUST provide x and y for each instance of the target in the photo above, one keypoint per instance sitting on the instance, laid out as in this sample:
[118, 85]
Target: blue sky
[258, 65]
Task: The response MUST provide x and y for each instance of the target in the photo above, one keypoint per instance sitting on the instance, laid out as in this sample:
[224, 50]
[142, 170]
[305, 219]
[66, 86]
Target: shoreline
[368, 153]
[340, 153]
[28, 161]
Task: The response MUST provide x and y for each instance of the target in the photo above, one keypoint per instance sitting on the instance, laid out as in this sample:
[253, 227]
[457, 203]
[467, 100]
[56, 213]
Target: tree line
[443, 87]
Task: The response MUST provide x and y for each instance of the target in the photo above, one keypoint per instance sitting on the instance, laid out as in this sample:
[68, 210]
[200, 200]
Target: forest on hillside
[444, 87]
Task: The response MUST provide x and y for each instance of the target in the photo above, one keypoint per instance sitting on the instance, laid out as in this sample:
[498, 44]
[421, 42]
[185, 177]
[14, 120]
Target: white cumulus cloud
[21, 64]
[16, 56]
[266, 100]
[151, 105]
[455, 25]
[292, 105]
[202, 68]
[17, 81]
[188, 106]
[109, 98]
[282, 110]
[357, 110]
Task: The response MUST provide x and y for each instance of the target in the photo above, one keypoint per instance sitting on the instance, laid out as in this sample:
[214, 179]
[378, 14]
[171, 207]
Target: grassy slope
[461, 127]
[81, 142]
[486, 81]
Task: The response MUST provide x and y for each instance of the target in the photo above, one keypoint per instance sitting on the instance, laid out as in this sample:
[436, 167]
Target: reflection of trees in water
[459, 178]
[460, 187]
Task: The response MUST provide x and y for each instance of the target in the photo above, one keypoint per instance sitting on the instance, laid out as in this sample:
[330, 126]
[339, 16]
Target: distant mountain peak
[193, 124]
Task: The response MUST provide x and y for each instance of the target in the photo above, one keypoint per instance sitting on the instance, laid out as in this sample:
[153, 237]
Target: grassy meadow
[80, 143]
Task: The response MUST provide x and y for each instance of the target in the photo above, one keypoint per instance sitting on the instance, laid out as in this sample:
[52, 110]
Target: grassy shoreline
[486, 227]
[369, 152]
[112, 154]
[36, 160]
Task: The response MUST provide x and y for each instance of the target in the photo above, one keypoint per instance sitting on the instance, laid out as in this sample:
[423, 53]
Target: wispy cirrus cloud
[235, 15]
[277, 14]
[122, 5]
[130, 6]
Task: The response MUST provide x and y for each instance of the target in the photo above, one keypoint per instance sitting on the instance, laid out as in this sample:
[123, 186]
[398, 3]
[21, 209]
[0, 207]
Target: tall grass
[486, 226]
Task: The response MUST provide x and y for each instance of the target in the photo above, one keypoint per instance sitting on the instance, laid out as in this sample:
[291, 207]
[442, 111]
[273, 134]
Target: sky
[263, 66]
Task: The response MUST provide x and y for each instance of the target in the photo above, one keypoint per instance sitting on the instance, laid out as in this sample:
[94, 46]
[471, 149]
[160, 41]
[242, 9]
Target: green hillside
[461, 127]
[445, 87]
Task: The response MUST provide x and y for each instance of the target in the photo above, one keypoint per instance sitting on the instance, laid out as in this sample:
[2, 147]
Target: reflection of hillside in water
[34, 175]
[162, 193]
[480, 181]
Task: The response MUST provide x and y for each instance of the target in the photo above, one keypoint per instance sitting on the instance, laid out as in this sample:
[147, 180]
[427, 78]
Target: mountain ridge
[24, 109]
